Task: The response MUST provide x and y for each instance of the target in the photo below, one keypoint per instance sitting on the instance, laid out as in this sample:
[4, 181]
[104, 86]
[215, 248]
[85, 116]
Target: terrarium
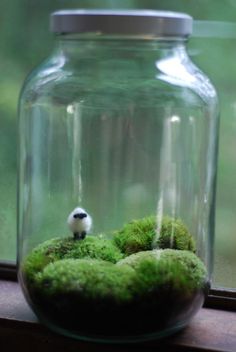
[117, 165]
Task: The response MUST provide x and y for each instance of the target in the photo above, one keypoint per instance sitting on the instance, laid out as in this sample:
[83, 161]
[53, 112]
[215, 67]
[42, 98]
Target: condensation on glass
[117, 164]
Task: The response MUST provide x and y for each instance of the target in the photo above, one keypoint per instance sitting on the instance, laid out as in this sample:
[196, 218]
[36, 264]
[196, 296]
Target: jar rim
[125, 22]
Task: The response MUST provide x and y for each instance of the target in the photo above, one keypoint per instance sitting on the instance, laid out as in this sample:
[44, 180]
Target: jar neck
[79, 46]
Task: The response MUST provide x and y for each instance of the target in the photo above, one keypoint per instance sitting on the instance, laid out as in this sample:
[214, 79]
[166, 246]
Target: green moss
[60, 248]
[90, 279]
[136, 236]
[140, 235]
[168, 269]
[95, 247]
[190, 262]
[174, 234]
[45, 253]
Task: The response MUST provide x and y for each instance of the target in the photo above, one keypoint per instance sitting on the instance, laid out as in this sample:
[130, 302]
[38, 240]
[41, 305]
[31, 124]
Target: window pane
[214, 49]
[25, 40]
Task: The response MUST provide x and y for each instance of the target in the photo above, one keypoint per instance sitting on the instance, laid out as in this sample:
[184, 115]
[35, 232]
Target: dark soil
[150, 314]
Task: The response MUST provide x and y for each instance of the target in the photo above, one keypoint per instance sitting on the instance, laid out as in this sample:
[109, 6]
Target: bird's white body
[79, 222]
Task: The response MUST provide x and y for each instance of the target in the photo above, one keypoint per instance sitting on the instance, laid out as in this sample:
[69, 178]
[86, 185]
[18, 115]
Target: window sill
[211, 330]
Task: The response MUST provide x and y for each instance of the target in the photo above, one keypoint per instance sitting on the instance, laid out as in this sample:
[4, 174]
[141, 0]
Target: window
[25, 41]
[213, 47]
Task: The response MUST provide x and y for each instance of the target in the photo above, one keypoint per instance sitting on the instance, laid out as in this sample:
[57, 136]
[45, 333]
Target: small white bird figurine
[80, 223]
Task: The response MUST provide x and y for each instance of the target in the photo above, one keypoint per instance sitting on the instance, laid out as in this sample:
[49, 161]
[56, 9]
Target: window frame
[8, 271]
[221, 298]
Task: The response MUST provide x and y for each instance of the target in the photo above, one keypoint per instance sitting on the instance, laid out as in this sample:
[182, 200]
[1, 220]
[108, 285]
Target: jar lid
[130, 22]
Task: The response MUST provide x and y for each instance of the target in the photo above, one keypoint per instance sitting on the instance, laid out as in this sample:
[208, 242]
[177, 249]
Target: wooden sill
[210, 330]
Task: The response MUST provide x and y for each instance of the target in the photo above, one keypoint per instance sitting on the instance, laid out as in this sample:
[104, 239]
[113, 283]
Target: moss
[174, 234]
[60, 248]
[90, 279]
[95, 247]
[45, 253]
[139, 235]
[168, 269]
[136, 236]
[138, 295]
[191, 264]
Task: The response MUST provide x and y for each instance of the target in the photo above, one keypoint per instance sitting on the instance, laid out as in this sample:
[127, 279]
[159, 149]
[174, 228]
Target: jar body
[127, 130]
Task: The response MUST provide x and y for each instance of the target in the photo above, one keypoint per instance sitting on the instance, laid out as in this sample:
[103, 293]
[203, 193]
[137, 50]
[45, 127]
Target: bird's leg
[82, 235]
[76, 236]
[79, 236]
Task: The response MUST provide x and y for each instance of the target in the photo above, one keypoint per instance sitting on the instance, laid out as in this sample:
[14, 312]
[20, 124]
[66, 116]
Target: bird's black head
[80, 216]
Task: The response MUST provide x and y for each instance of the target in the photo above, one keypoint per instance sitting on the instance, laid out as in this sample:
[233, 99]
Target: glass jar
[118, 138]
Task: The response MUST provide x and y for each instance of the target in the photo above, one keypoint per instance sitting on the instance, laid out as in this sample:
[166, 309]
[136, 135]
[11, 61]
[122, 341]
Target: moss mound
[136, 236]
[168, 269]
[96, 248]
[174, 234]
[90, 278]
[61, 248]
[45, 253]
[139, 235]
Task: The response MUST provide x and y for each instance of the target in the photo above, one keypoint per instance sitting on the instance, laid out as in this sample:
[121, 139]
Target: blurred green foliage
[25, 41]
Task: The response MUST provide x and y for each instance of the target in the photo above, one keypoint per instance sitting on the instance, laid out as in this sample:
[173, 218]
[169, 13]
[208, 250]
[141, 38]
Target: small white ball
[79, 222]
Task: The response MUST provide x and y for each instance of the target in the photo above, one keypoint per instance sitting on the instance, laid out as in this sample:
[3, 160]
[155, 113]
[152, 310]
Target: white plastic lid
[130, 22]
